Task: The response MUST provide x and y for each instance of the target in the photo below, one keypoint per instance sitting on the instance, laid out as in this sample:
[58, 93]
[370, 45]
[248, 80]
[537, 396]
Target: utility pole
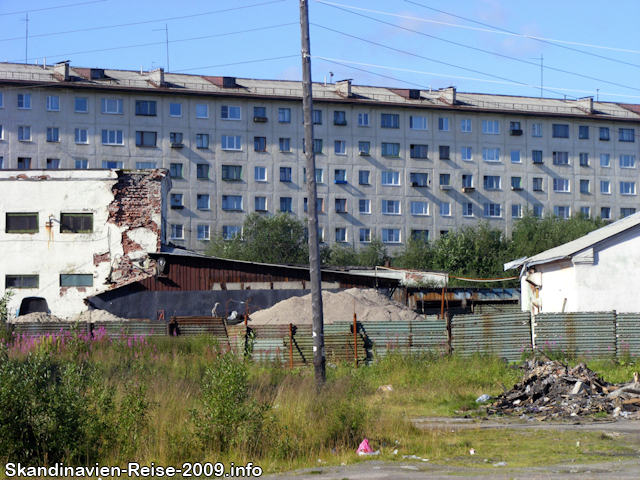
[166, 30]
[26, 39]
[541, 73]
[314, 245]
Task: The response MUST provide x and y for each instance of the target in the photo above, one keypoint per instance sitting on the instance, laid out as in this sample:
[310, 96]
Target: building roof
[576, 246]
[172, 83]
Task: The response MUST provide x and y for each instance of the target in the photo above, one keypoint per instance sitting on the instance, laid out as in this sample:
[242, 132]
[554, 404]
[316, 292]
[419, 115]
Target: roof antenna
[331, 78]
[26, 39]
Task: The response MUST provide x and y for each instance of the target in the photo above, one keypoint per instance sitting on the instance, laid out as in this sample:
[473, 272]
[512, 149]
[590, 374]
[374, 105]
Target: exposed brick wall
[98, 258]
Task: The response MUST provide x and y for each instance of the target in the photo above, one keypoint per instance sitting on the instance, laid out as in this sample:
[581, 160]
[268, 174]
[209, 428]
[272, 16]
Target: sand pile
[97, 316]
[370, 306]
[36, 317]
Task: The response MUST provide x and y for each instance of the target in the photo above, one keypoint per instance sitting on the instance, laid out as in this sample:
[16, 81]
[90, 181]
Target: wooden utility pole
[312, 195]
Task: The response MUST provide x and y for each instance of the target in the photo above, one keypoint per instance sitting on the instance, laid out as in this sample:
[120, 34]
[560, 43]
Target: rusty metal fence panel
[47, 328]
[496, 308]
[590, 334]
[128, 329]
[628, 334]
[200, 326]
[507, 335]
[410, 337]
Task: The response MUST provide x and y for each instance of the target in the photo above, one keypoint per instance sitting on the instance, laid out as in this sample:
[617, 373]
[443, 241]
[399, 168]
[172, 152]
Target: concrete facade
[70, 234]
[229, 157]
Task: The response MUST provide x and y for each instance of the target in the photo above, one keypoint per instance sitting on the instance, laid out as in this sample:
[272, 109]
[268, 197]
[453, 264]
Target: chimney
[344, 87]
[157, 77]
[62, 69]
[585, 104]
[448, 95]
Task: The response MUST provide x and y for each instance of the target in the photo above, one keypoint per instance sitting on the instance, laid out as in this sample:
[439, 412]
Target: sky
[588, 47]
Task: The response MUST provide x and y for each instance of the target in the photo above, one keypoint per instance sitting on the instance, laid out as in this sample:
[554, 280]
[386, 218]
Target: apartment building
[390, 163]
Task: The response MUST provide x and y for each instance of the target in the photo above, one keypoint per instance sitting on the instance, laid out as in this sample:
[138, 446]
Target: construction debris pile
[552, 390]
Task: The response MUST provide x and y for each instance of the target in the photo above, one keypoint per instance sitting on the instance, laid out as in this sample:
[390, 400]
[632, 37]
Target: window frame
[491, 127]
[75, 104]
[107, 107]
[199, 110]
[178, 168]
[202, 171]
[25, 100]
[396, 235]
[9, 215]
[418, 123]
[224, 204]
[146, 108]
[78, 133]
[231, 173]
[389, 120]
[235, 145]
[53, 134]
[284, 115]
[171, 106]
[418, 150]
[22, 286]
[395, 149]
[384, 178]
[85, 217]
[231, 112]
[118, 135]
[53, 105]
[146, 139]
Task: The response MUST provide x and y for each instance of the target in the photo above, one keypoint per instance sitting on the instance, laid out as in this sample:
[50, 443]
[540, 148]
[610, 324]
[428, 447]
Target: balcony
[176, 145]
[468, 189]
[516, 133]
[260, 119]
[445, 187]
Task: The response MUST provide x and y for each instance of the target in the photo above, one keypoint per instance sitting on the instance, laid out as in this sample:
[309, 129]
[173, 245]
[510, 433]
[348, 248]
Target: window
[316, 116]
[24, 163]
[605, 187]
[537, 184]
[111, 164]
[491, 127]
[560, 131]
[586, 212]
[1, 100]
[260, 204]
[536, 129]
[364, 206]
[389, 120]
[229, 232]
[285, 204]
[516, 211]
[231, 172]
[627, 188]
[285, 174]
[492, 210]
[317, 145]
[625, 212]
[260, 174]
[204, 232]
[604, 133]
[445, 209]
[419, 151]
[364, 148]
[583, 132]
[177, 232]
[443, 151]
[536, 156]
[53, 103]
[492, 182]
[340, 147]
[231, 142]
[465, 125]
[260, 144]
[561, 212]
[390, 149]
[76, 222]
[445, 179]
[53, 134]
[319, 205]
[584, 159]
[467, 181]
[537, 211]
[1, 133]
[340, 176]
[22, 223]
[584, 186]
[285, 144]
[627, 161]
[605, 213]
[112, 106]
[341, 205]
[419, 208]
[24, 133]
[560, 185]
[175, 109]
[363, 119]
[491, 154]
[82, 164]
[319, 175]
[146, 139]
[81, 105]
[53, 163]
[339, 118]
[422, 235]
[466, 154]
[365, 235]
[561, 158]
[177, 200]
[390, 207]
[417, 123]
[175, 139]
[363, 177]
[82, 135]
[24, 101]
[112, 137]
[626, 135]
[284, 115]
[231, 202]
[515, 128]
[202, 111]
[419, 179]
[203, 201]
[605, 160]
[146, 165]
[391, 235]
[341, 234]
[390, 178]
[21, 281]
[516, 183]
[443, 124]
[467, 209]
[230, 113]
[515, 156]
[147, 107]
[175, 170]
[202, 170]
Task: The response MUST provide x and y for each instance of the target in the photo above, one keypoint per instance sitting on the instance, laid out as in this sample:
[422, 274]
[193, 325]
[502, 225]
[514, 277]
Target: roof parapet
[62, 69]
[157, 77]
[585, 104]
[448, 95]
[344, 87]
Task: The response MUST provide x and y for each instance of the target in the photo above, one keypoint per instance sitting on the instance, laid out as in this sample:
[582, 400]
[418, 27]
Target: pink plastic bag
[364, 448]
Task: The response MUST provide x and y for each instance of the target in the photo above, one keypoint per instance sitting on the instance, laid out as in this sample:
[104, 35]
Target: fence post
[355, 340]
[449, 334]
[291, 346]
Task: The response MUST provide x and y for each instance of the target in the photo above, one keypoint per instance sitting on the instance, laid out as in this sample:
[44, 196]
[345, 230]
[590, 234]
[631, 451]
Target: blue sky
[412, 49]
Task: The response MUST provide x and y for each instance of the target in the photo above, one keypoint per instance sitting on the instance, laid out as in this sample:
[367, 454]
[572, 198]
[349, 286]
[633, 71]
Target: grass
[289, 425]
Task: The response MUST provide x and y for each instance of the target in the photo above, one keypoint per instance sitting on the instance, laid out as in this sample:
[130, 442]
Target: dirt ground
[410, 470]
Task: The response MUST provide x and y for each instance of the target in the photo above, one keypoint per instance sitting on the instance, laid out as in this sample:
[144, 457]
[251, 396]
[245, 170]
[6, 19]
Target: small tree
[4, 305]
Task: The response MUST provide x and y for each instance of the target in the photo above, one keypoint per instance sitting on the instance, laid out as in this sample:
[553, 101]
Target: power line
[485, 51]
[145, 21]
[52, 8]
[238, 63]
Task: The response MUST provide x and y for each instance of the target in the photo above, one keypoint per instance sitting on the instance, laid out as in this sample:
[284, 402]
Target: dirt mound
[36, 317]
[370, 306]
